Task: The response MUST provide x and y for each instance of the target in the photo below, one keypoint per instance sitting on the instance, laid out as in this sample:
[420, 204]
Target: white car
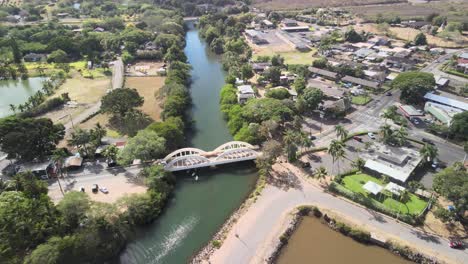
[103, 190]
[371, 135]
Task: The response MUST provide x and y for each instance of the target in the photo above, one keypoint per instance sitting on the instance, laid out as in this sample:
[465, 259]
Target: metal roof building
[446, 101]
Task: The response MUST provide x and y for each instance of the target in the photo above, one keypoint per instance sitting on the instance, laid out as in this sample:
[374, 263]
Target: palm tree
[336, 150]
[341, 132]
[297, 122]
[359, 163]
[404, 198]
[401, 135]
[290, 140]
[320, 173]
[428, 152]
[59, 156]
[98, 132]
[387, 133]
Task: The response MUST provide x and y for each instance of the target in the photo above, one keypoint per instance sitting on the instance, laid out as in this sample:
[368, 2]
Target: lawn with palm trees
[411, 204]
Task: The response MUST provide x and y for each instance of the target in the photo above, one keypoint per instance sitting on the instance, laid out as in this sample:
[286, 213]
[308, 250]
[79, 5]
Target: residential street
[255, 228]
[434, 66]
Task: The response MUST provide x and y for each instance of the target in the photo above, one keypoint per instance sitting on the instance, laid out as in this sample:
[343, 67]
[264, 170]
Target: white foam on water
[171, 240]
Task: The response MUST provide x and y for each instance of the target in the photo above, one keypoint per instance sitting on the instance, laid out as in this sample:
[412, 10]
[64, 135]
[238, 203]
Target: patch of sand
[148, 88]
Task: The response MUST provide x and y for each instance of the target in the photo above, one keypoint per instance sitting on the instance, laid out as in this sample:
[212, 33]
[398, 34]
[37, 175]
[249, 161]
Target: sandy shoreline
[255, 233]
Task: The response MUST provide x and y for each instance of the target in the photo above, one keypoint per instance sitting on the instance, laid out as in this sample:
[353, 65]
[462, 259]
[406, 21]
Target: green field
[291, 57]
[354, 183]
[79, 66]
[360, 100]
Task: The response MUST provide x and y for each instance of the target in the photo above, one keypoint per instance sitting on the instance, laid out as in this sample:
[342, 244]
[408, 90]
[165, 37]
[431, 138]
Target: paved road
[254, 228]
[434, 66]
[118, 74]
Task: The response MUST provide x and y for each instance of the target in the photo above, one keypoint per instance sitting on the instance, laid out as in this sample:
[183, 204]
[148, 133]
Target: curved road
[252, 235]
[434, 66]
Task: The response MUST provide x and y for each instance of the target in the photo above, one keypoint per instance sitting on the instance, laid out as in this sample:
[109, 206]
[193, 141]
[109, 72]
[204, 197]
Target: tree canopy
[312, 97]
[146, 145]
[452, 182]
[29, 138]
[120, 101]
[414, 85]
[459, 126]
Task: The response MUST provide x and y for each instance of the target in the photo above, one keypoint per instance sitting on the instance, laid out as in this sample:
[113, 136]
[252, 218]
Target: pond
[17, 92]
[314, 242]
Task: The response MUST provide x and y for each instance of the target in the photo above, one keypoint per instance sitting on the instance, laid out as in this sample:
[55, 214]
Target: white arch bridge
[193, 158]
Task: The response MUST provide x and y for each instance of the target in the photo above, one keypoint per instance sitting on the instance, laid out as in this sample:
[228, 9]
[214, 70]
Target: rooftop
[362, 82]
[447, 101]
[372, 187]
[245, 89]
[323, 72]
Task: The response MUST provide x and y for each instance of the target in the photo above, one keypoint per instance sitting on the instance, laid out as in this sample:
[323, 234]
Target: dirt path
[251, 237]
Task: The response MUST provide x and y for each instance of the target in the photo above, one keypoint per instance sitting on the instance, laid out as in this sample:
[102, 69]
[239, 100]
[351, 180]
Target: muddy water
[314, 242]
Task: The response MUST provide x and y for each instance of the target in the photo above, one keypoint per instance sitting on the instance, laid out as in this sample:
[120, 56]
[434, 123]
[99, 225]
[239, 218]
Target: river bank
[253, 237]
[198, 208]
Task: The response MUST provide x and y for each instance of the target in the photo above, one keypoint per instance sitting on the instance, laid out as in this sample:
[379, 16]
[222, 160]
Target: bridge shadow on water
[204, 174]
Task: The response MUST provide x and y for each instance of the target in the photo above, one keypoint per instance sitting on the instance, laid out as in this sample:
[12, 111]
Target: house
[306, 18]
[378, 76]
[255, 37]
[363, 53]
[398, 63]
[415, 24]
[150, 46]
[362, 82]
[431, 97]
[73, 162]
[335, 108]
[62, 15]
[206, 8]
[244, 92]
[99, 29]
[409, 111]
[260, 67]
[441, 82]
[43, 170]
[398, 163]
[379, 41]
[289, 22]
[295, 29]
[267, 24]
[326, 74]
[34, 57]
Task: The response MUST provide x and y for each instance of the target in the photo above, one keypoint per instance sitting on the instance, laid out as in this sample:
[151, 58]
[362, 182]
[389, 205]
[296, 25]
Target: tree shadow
[376, 216]
[426, 236]
[315, 158]
[284, 180]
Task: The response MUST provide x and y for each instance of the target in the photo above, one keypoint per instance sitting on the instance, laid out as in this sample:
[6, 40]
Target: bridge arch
[183, 152]
[185, 162]
[233, 145]
[237, 154]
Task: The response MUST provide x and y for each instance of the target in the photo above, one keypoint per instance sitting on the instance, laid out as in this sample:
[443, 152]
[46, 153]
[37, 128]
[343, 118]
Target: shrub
[317, 213]
[216, 243]
[360, 236]
[304, 210]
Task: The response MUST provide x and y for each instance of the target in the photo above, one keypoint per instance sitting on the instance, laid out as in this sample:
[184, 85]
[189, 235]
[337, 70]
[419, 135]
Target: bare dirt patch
[83, 90]
[297, 4]
[407, 34]
[144, 68]
[148, 88]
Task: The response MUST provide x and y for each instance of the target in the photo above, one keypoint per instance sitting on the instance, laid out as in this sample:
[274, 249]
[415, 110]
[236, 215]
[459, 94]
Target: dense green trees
[277, 93]
[352, 36]
[452, 183]
[146, 145]
[420, 39]
[172, 129]
[120, 101]
[28, 138]
[414, 85]
[73, 208]
[459, 126]
[312, 98]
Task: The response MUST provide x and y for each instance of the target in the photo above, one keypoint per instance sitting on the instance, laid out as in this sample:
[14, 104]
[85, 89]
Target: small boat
[193, 173]
[196, 177]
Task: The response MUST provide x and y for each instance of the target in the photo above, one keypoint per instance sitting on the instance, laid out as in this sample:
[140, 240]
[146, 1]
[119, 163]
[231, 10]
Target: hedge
[370, 203]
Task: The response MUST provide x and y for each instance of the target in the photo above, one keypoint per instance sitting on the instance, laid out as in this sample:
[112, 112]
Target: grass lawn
[290, 57]
[360, 100]
[355, 182]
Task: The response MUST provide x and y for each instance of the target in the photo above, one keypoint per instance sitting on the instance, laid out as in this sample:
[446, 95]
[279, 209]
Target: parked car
[357, 138]
[104, 190]
[111, 163]
[95, 188]
[371, 135]
[312, 137]
[82, 189]
[388, 94]
[415, 121]
[428, 141]
[455, 244]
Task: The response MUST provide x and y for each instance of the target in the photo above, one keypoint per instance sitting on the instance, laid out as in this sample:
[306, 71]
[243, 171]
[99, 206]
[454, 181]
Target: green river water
[198, 208]
[17, 92]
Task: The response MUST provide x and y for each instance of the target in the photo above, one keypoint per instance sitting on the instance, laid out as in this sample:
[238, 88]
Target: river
[17, 92]
[314, 242]
[198, 208]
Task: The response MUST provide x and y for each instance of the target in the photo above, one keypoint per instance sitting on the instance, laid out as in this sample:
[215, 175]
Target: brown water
[314, 242]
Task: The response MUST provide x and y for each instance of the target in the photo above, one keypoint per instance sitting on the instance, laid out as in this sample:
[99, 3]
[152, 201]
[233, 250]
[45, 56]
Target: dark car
[312, 137]
[357, 138]
[428, 141]
[95, 188]
[388, 94]
[111, 163]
